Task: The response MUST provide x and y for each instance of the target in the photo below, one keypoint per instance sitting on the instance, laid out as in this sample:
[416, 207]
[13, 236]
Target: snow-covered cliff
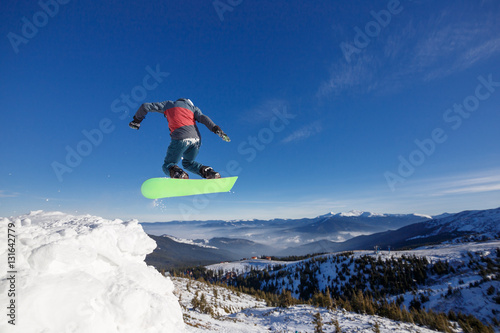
[63, 273]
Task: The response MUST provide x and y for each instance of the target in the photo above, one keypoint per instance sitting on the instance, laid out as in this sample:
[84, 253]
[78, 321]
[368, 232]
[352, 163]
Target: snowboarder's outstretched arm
[144, 109]
[205, 120]
[201, 118]
[174, 113]
[217, 130]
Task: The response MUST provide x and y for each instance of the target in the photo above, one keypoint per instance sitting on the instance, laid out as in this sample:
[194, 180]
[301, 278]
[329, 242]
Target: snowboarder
[186, 139]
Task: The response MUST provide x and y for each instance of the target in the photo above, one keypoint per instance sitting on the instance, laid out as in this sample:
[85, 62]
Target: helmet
[187, 100]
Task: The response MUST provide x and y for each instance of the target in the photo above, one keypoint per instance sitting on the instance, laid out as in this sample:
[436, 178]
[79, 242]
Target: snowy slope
[482, 222]
[244, 266]
[83, 274]
[463, 290]
[241, 313]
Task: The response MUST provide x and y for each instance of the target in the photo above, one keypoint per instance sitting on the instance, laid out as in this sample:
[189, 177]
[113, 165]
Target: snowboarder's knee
[186, 163]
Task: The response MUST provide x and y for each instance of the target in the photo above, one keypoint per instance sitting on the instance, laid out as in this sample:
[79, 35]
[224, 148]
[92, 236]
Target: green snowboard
[155, 188]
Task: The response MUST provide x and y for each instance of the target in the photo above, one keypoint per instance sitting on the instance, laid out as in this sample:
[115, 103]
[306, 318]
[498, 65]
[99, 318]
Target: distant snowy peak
[358, 213]
[197, 242]
[352, 213]
[441, 216]
[423, 215]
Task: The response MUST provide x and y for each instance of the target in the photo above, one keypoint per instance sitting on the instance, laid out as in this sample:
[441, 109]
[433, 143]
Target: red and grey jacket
[181, 115]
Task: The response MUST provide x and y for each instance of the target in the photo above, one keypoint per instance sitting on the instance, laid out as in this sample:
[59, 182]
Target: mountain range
[205, 242]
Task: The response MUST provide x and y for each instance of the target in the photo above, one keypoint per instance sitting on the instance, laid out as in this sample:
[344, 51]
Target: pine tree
[318, 323]
[285, 299]
[195, 303]
[337, 326]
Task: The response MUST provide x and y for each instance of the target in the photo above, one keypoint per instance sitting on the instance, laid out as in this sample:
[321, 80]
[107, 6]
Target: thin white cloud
[465, 53]
[446, 46]
[422, 50]
[8, 194]
[482, 51]
[345, 76]
[304, 132]
[469, 184]
[264, 111]
[472, 189]
[480, 181]
[470, 180]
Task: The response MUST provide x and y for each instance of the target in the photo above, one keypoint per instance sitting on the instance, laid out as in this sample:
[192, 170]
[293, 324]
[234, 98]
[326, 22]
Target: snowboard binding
[178, 173]
[208, 173]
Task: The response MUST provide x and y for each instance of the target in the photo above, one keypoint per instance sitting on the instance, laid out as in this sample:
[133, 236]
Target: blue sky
[385, 106]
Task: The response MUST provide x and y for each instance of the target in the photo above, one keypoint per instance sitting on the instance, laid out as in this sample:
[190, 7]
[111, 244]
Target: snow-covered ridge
[485, 222]
[358, 213]
[470, 288]
[84, 274]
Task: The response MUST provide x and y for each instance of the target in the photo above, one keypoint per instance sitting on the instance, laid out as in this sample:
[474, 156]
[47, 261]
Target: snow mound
[84, 274]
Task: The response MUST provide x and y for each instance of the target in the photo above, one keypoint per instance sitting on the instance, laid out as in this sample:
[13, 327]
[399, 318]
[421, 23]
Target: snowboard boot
[208, 173]
[176, 172]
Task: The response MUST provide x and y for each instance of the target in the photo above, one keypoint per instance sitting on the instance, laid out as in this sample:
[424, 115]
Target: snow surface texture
[479, 221]
[84, 274]
[465, 299]
[241, 313]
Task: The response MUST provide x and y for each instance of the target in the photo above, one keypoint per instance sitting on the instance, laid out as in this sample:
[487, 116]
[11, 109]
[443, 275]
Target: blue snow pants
[186, 149]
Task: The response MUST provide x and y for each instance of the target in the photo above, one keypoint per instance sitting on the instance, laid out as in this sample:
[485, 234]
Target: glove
[220, 133]
[135, 124]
